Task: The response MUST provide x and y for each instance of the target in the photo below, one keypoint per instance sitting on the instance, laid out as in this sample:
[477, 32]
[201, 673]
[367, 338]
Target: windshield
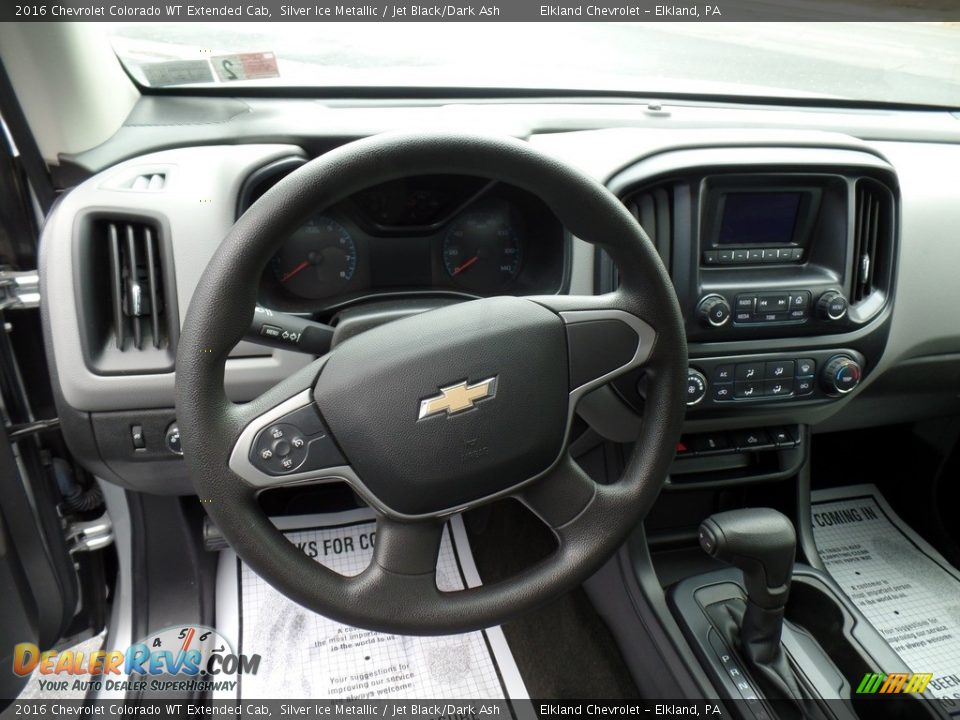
[917, 63]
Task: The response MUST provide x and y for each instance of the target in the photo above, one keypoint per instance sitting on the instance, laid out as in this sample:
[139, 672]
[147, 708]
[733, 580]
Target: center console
[783, 261]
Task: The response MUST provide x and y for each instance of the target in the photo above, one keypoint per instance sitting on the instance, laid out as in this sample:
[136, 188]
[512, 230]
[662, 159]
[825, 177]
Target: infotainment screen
[759, 218]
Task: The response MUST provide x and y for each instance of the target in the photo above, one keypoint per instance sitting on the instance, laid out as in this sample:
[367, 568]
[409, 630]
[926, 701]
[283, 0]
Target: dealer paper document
[904, 587]
[305, 655]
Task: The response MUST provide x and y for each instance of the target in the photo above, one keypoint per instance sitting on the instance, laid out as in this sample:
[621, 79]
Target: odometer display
[320, 260]
[482, 251]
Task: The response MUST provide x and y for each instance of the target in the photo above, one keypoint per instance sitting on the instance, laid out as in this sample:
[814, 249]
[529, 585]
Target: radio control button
[832, 305]
[796, 254]
[745, 302]
[797, 314]
[711, 257]
[755, 255]
[749, 371]
[725, 256]
[799, 299]
[771, 255]
[714, 311]
[741, 256]
[773, 317]
[772, 303]
[779, 369]
[743, 316]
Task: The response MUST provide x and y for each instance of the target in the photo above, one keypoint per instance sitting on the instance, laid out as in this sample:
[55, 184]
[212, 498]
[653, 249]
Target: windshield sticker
[245, 66]
[177, 72]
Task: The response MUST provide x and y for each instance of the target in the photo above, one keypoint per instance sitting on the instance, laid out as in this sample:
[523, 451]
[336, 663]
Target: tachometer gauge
[482, 251]
[319, 260]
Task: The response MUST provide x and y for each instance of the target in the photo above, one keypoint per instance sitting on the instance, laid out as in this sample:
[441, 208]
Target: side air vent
[126, 295]
[136, 285]
[872, 238]
[653, 208]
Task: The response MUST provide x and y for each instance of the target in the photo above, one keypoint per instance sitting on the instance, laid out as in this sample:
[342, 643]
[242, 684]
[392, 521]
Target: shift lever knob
[759, 541]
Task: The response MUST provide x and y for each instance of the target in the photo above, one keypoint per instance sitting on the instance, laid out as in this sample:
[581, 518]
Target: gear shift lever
[761, 542]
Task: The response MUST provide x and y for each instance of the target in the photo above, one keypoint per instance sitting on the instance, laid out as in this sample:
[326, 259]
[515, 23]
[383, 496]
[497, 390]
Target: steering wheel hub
[443, 409]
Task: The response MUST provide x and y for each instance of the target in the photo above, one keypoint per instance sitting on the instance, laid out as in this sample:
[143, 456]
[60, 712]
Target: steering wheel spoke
[285, 440]
[407, 548]
[603, 341]
[561, 495]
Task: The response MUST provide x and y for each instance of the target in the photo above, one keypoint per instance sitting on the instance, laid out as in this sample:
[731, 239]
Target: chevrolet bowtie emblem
[457, 398]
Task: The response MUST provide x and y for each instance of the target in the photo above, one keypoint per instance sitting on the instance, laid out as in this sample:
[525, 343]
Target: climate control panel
[728, 381]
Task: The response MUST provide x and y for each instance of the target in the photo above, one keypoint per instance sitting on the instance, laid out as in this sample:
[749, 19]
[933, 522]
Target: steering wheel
[437, 413]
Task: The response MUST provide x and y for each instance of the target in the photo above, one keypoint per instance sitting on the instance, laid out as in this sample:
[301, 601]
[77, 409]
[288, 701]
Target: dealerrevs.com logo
[180, 659]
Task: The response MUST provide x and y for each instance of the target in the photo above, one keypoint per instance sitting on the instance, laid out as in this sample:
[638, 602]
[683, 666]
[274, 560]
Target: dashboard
[440, 235]
[808, 248]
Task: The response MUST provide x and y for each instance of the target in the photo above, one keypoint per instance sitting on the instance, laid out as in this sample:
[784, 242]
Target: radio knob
[841, 374]
[832, 305]
[714, 311]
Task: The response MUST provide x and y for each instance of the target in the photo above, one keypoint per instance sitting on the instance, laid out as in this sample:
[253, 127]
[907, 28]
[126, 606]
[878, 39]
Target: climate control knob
[841, 374]
[832, 305]
[714, 311]
[696, 386]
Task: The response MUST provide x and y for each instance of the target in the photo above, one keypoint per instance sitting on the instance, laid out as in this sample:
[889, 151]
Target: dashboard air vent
[653, 209]
[136, 285]
[126, 293]
[872, 238]
[150, 182]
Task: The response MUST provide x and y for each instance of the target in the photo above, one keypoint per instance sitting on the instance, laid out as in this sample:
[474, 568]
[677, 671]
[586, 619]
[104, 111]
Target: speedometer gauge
[319, 260]
[482, 251]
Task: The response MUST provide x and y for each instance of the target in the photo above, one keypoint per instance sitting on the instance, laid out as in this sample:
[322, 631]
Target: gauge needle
[460, 268]
[299, 268]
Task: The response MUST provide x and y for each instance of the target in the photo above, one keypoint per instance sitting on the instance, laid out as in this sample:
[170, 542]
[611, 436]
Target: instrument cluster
[436, 234]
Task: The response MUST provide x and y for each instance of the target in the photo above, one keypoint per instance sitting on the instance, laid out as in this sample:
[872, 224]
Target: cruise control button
[281, 448]
[266, 454]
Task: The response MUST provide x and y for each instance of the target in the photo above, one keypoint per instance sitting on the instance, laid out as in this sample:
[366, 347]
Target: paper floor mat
[901, 584]
[305, 655]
